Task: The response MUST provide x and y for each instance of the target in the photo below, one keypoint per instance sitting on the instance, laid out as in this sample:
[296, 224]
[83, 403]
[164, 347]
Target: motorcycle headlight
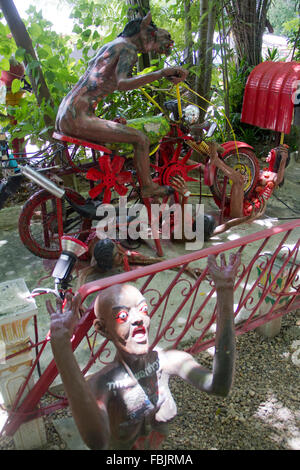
[191, 114]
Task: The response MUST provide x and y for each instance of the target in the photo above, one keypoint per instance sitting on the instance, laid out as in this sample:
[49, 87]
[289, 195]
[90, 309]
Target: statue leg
[237, 190]
[237, 195]
[101, 131]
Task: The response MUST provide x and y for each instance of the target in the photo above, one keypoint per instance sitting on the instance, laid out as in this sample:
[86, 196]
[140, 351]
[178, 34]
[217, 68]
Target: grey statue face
[126, 320]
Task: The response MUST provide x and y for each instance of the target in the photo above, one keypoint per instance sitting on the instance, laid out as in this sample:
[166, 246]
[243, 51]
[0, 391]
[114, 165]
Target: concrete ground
[18, 262]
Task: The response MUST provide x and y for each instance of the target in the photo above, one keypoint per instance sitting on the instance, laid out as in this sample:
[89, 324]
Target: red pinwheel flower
[110, 177]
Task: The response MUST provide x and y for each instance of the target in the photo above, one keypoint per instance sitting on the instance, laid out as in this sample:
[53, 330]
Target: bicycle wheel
[246, 163]
[80, 158]
[38, 225]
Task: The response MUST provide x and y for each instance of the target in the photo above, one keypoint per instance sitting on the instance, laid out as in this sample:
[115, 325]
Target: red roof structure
[269, 95]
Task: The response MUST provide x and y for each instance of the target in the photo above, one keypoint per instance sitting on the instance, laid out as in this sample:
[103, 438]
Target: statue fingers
[49, 307]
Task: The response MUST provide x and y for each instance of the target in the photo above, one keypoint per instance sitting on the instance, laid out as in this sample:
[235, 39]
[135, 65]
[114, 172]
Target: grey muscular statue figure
[111, 70]
[128, 404]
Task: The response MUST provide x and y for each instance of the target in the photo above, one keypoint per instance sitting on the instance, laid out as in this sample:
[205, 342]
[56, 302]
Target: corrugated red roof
[268, 97]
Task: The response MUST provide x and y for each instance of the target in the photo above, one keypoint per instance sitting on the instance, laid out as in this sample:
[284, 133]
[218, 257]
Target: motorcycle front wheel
[243, 161]
[38, 223]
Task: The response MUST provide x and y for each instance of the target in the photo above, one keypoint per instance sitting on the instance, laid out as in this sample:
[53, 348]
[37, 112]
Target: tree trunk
[208, 17]
[188, 39]
[139, 9]
[248, 20]
[223, 43]
[23, 40]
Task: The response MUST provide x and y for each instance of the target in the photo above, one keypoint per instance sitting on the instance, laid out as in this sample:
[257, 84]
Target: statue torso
[137, 406]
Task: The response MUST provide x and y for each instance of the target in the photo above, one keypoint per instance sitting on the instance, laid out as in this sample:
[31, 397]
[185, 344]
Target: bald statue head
[122, 316]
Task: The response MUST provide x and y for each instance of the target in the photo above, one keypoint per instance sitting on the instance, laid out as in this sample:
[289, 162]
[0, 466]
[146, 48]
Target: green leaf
[77, 29]
[45, 130]
[33, 65]
[148, 70]
[16, 85]
[88, 21]
[86, 34]
[50, 112]
[35, 30]
[79, 44]
[4, 64]
[54, 62]
[49, 75]
[42, 53]
[5, 49]
[19, 54]
[96, 35]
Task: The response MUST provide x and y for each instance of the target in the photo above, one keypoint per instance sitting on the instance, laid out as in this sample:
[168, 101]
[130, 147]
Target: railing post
[272, 328]
[16, 311]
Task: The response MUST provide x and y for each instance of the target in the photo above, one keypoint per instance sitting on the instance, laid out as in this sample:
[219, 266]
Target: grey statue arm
[125, 82]
[89, 414]
[217, 381]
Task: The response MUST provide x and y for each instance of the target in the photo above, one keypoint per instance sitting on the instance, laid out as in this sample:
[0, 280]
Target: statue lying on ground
[269, 179]
[107, 254]
[128, 404]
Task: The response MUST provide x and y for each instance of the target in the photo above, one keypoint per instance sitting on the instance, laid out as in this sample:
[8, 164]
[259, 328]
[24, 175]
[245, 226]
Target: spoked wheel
[173, 157]
[246, 163]
[38, 224]
[172, 162]
[80, 158]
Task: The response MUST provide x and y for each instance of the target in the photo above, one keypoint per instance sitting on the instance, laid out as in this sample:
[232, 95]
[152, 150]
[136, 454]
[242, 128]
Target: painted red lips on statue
[139, 333]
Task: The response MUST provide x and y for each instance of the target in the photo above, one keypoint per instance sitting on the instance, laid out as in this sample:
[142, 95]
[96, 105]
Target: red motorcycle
[110, 173]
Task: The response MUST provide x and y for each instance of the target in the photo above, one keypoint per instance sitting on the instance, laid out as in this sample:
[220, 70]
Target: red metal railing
[183, 308]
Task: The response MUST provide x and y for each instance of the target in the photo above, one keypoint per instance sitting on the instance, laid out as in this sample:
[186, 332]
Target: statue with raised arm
[111, 70]
[269, 179]
[128, 404]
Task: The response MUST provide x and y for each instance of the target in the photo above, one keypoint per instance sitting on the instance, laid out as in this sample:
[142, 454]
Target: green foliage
[53, 54]
[95, 23]
[280, 12]
[292, 31]
[237, 80]
[272, 54]
[7, 47]
[16, 85]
